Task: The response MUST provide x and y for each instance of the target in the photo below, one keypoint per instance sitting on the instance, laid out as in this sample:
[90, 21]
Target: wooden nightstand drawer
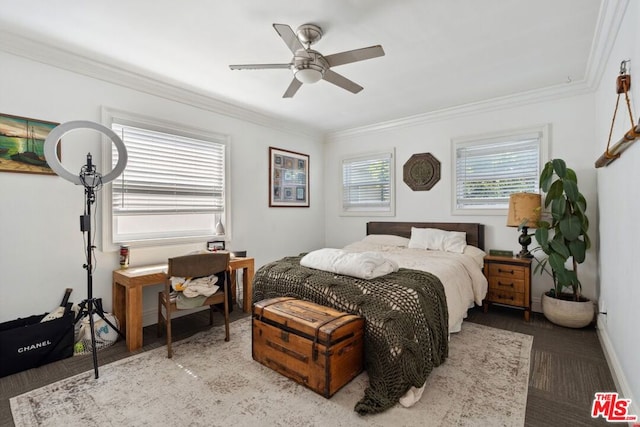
[507, 270]
[506, 297]
[509, 281]
[506, 284]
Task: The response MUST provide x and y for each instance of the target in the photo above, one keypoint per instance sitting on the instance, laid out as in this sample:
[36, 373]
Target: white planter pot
[571, 314]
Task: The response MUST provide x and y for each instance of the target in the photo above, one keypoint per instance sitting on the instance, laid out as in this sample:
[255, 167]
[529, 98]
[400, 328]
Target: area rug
[210, 382]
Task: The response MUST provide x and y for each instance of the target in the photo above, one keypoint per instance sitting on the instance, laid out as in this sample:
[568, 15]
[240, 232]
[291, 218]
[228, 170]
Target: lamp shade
[524, 209]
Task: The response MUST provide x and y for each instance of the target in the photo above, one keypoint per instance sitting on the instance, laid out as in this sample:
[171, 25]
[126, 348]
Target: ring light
[51, 144]
[92, 181]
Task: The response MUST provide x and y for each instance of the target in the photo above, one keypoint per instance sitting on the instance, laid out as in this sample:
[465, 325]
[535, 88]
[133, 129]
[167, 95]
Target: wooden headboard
[475, 231]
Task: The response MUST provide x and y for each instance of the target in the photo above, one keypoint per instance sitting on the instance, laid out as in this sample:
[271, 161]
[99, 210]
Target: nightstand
[509, 282]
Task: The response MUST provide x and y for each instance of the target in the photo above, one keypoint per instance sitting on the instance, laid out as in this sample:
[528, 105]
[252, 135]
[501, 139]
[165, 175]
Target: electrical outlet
[602, 313]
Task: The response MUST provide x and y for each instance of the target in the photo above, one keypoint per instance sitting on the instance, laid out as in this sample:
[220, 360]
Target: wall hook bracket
[623, 84]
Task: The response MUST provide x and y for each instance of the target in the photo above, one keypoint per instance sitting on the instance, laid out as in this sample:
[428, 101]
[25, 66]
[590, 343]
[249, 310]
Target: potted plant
[565, 242]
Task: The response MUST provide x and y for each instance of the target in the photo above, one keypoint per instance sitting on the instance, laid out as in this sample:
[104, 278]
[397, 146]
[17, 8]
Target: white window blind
[174, 187]
[487, 172]
[367, 183]
[168, 173]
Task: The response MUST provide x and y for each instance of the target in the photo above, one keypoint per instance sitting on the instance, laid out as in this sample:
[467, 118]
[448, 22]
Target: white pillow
[455, 241]
[386, 240]
[438, 240]
[476, 253]
[426, 238]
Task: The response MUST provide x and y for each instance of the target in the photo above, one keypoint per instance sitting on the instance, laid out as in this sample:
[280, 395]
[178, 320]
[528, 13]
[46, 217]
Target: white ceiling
[439, 53]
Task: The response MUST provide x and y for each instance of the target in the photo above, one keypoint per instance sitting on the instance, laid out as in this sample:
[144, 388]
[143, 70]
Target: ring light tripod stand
[92, 181]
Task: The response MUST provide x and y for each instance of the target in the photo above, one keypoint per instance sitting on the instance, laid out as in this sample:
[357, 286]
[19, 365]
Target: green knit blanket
[406, 321]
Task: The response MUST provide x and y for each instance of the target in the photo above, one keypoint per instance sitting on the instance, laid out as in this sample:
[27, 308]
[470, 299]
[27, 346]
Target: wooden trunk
[316, 346]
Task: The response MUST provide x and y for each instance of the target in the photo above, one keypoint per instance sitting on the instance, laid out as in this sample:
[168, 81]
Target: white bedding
[365, 265]
[462, 277]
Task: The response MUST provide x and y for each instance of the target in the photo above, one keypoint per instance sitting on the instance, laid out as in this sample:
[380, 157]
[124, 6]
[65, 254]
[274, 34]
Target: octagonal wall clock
[421, 172]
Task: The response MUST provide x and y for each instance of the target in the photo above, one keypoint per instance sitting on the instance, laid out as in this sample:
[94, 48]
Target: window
[488, 169]
[368, 185]
[173, 188]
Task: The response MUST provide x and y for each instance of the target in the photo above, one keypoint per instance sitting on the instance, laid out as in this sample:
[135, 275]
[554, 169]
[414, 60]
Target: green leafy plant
[565, 237]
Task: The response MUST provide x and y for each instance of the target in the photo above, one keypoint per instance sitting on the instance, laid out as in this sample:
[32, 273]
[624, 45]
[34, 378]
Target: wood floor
[567, 366]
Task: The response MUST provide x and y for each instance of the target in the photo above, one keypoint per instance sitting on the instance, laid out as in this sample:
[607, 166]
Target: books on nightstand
[500, 252]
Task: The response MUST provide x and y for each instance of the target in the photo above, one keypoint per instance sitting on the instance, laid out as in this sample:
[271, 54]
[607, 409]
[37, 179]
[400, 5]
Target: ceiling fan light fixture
[308, 65]
[308, 75]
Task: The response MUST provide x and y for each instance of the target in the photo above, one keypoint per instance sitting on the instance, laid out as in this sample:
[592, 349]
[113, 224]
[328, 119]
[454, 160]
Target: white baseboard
[536, 304]
[619, 378]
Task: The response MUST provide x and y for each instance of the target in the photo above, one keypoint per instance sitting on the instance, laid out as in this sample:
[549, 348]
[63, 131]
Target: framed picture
[288, 178]
[22, 144]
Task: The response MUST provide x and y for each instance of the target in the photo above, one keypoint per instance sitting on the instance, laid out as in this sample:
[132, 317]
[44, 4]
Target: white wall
[41, 246]
[572, 139]
[618, 206]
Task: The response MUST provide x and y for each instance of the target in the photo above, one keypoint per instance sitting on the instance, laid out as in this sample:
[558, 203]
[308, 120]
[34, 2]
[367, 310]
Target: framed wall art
[22, 144]
[288, 178]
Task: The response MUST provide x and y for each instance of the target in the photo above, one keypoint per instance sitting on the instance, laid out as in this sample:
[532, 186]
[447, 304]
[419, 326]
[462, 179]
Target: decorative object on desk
[421, 172]
[288, 178]
[524, 213]
[500, 252]
[623, 84]
[22, 145]
[219, 227]
[124, 256]
[215, 245]
[92, 181]
[567, 242]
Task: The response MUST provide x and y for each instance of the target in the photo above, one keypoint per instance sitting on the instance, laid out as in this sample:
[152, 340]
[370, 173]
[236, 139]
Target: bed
[409, 312]
[465, 285]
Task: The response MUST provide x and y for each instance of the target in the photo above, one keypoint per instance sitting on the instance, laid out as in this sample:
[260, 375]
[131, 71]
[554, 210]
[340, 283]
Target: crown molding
[141, 81]
[510, 101]
[609, 21]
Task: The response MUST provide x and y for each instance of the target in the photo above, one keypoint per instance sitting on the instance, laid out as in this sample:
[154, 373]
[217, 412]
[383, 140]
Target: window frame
[109, 115]
[392, 184]
[505, 136]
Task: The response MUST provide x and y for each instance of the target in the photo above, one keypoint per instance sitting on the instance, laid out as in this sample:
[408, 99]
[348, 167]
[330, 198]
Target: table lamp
[524, 212]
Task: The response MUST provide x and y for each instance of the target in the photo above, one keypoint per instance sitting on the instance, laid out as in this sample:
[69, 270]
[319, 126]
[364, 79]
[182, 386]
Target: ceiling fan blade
[341, 81]
[258, 66]
[293, 88]
[354, 55]
[291, 40]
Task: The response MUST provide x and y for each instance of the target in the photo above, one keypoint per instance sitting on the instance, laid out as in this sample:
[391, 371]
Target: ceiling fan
[310, 66]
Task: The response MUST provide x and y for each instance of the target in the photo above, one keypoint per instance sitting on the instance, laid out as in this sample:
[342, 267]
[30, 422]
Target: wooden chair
[199, 265]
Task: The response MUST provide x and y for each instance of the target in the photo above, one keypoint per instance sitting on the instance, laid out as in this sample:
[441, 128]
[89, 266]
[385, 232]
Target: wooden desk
[127, 294]
[248, 270]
